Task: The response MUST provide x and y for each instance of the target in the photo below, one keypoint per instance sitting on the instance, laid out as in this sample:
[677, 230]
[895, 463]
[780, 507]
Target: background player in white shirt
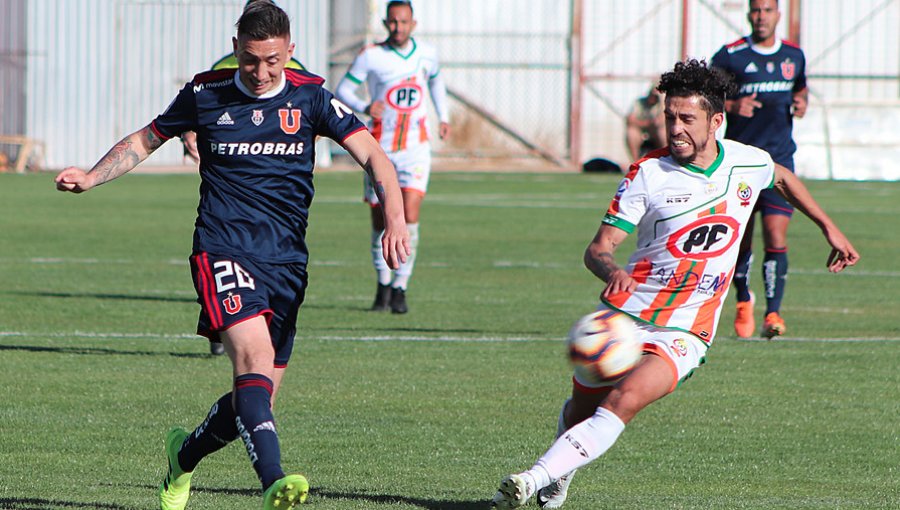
[690, 205]
[398, 73]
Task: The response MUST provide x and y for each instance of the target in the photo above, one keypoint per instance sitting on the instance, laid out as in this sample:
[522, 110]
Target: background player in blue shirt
[771, 74]
[256, 128]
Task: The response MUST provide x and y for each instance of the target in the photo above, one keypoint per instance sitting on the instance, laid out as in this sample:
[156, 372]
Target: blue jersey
[774, 75]
[256, 159]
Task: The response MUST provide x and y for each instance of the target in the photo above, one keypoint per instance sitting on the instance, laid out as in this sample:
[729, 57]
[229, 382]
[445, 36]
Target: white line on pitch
[404, 338]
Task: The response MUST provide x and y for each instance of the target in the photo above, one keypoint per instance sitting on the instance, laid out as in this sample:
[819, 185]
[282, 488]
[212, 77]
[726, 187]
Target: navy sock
[775, 267]
[216, 431]
[256, 426]
[741, 278]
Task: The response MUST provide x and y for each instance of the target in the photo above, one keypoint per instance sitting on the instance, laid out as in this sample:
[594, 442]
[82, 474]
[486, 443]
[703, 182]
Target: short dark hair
[694, 78]
[395, 3]
[263, 20]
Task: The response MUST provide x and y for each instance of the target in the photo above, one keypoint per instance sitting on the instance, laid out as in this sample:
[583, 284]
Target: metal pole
[575, 81]
[794, 22]
[685, 28]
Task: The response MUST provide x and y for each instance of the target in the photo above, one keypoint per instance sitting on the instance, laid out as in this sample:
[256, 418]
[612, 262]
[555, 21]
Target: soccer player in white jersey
[398, 73]
[690, 203]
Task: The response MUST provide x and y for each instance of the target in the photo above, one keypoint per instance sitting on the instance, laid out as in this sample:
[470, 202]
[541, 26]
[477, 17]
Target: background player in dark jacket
[771, 74]
[256, 128]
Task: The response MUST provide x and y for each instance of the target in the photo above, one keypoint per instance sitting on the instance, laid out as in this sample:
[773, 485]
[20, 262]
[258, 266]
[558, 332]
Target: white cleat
[554, 495]
[514, 491]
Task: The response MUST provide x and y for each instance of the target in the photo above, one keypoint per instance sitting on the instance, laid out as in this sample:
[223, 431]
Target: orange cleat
[744, 325]
[773, 326]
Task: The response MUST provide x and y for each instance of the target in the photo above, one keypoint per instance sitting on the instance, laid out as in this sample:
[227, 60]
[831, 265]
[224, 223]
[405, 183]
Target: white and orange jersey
[402, 80]
[690, 222]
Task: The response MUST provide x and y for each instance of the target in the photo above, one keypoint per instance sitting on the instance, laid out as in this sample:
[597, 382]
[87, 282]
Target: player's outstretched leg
[176, 486]
[513, 492]
[554, 495]
[286, 493]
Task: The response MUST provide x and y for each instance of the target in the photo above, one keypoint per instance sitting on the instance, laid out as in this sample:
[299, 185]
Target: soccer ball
[603, 346]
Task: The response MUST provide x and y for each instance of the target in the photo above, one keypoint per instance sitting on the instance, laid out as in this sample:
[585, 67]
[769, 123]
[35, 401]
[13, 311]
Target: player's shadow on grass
[382, 499]
[117, 297]
[390, 500]
[98, 351]
[49, 504]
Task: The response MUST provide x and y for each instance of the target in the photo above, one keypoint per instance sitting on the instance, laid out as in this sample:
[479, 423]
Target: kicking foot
[514, 491]
[554, 495]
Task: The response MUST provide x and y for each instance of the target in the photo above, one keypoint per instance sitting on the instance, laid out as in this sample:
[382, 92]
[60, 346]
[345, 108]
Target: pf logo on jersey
[705, 238]
[406, 96]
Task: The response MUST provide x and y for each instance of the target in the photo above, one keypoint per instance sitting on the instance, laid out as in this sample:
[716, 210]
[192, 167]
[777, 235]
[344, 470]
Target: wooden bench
[27, 147]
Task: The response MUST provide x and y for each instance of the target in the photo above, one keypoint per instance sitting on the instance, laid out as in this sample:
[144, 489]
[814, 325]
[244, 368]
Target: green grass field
[431, 409]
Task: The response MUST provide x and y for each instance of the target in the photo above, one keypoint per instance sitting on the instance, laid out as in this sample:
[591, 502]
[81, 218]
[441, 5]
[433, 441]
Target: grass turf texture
[429, 410]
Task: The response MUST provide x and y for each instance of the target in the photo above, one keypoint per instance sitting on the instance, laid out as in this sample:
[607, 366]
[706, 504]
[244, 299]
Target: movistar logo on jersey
[256, 148]
[767, 86]
[212, 85]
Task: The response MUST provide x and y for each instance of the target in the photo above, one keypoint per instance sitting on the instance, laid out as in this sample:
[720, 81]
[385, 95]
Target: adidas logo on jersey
[225, 120]
[751, 68]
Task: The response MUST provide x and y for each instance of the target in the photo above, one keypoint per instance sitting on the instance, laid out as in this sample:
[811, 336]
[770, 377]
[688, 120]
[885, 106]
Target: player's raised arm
[120, 159]
[843, 253]
[370, 156]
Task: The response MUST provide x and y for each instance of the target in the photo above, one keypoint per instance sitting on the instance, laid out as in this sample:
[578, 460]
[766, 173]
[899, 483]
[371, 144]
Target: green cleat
[286, 493]
[176, 487]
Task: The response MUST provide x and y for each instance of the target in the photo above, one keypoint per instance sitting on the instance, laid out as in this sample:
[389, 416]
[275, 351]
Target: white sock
[402, 275]
[577, 447]
[381, 267]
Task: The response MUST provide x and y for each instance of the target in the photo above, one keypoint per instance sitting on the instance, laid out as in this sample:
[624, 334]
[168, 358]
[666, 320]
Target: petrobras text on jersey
[257, 148]
[767, 86]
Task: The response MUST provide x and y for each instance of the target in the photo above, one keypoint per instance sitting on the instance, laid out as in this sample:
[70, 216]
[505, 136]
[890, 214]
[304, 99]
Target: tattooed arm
[599, 259]
[123, 156]
[373, 160]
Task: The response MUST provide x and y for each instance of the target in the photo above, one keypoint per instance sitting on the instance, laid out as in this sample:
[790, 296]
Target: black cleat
[398, 300]
[216, 348]
[382, 299]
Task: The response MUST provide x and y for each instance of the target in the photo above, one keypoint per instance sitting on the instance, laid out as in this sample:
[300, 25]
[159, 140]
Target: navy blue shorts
[233, 289]
[771, 202]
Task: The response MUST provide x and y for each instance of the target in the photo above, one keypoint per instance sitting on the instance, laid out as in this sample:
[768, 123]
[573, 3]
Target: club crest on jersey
[787, 69]
[679, 347]
[257, 117]
[290, 120]
[744, 193]
[406, 96]
[707, 237]
[232, 303]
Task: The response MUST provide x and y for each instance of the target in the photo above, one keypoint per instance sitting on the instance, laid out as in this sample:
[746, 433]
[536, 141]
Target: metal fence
[530, 80]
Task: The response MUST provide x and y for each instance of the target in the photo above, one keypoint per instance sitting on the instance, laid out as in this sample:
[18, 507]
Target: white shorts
[682, 351]
[413, 171]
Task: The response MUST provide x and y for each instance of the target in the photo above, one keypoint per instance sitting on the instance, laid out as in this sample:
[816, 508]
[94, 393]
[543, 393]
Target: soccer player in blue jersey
[771, 74]
[256, 128]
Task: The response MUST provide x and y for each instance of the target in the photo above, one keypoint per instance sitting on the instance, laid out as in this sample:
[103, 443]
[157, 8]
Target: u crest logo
[232, 303]
[290, 120]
